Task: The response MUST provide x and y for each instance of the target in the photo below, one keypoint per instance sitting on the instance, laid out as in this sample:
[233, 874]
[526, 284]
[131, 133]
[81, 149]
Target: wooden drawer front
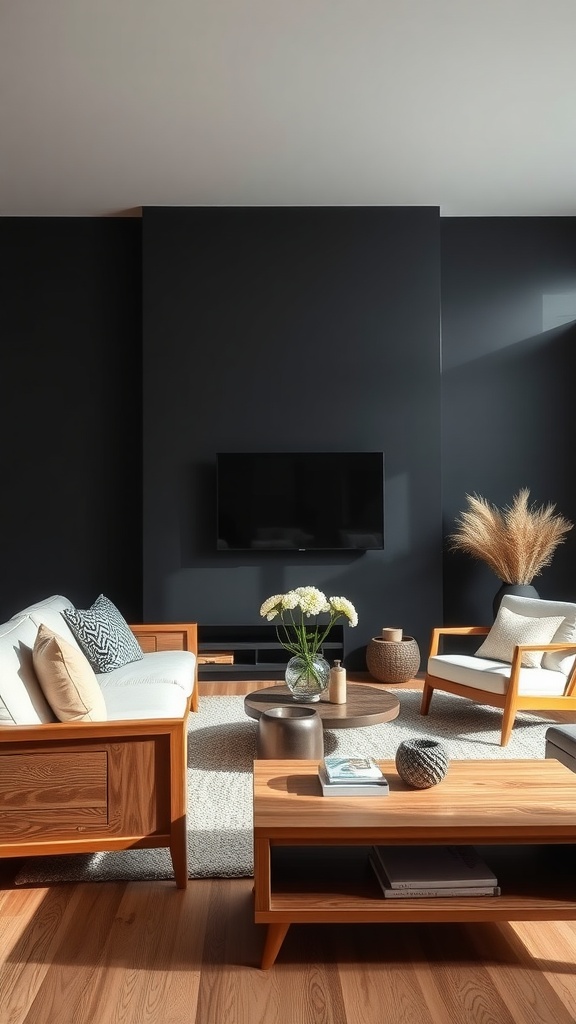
[150, 642]
[53, 793]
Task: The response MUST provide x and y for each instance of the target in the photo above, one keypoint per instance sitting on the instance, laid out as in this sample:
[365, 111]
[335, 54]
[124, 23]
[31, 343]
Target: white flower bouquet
[293, 610]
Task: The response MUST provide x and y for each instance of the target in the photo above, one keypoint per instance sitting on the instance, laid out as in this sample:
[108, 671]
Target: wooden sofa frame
[84, 787]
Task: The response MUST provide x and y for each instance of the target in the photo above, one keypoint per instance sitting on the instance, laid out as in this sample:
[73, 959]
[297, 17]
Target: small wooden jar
[393, 633]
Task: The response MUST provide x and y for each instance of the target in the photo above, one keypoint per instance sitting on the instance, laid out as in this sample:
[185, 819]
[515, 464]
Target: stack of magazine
[408, 872]
[351, 776]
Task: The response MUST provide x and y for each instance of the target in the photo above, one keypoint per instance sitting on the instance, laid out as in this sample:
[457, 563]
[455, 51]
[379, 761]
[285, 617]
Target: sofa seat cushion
[158, 686]
[21, 699]
[152, 699]
[494, 676]
[67, 681]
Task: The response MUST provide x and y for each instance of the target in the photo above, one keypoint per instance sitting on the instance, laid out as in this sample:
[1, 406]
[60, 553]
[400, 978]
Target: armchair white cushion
[493, 676]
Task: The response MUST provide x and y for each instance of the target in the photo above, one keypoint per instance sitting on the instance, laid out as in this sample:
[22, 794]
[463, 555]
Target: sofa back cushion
[510, 629]
[49, 613]
[21, 699]
[557, 661]
[68, 682]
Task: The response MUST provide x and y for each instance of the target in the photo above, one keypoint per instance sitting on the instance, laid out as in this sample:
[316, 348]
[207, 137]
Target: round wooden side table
[365, 705]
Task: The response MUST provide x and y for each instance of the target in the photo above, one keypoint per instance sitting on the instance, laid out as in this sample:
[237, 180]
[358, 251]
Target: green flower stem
[304, 644]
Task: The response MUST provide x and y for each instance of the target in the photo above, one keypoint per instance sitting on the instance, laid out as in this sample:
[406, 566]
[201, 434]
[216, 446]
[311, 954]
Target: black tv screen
[300, 501]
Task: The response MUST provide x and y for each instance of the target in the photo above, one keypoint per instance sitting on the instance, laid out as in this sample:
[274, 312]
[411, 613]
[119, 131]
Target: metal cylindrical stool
[290, 732]
[393, 661]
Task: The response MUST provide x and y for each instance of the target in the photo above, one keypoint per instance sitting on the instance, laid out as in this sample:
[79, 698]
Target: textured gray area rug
[221, 748]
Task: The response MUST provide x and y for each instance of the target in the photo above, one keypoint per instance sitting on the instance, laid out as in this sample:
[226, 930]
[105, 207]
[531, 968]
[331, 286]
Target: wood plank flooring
[148, 953]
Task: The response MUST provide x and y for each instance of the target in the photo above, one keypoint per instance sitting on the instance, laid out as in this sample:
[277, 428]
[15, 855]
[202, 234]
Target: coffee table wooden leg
[274, 939]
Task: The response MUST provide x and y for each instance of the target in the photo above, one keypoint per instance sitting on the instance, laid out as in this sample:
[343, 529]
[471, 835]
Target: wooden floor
[145, 952]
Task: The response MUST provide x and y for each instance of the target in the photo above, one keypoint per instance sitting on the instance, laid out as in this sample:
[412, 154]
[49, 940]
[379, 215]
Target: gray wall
[70, 414]
[509, 366]
[254, 320]
[291, 329]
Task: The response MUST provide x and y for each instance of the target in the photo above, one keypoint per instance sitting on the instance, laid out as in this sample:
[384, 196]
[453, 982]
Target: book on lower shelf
[428, 891]
[351, 770]
[433, 867]
[216, 658]
[378, 787]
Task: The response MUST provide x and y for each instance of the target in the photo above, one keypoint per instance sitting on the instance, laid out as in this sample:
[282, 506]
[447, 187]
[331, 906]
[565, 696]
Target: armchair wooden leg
[426, 698]
[507, 723]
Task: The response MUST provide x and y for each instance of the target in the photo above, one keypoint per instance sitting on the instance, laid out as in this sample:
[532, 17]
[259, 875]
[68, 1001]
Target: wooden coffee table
[365, 705]
[311, 853]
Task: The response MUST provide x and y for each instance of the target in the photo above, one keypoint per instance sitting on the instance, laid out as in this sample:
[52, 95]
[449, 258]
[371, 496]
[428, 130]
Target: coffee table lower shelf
[331, 884]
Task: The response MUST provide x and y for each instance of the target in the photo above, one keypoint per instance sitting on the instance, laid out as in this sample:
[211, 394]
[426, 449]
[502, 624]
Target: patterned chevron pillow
[104, 635]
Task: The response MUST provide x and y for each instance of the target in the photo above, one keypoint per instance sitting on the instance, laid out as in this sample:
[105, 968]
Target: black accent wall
[291, 329]
[277, 329]
[70, 412]
[508, 373]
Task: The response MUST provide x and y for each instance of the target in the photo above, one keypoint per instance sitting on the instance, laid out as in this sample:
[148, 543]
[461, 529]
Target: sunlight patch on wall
[558, 309]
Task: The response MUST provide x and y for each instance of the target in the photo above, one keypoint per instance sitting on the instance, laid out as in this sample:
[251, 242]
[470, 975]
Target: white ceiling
[110, 105]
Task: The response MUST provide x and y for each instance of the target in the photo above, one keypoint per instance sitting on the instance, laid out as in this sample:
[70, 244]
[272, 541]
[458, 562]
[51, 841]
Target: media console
[252, 652]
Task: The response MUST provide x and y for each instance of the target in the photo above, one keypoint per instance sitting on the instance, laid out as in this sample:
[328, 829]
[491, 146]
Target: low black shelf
[254, 651]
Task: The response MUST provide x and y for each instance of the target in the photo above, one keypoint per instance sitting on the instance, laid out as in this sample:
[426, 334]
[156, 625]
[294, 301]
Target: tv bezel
[358, 549]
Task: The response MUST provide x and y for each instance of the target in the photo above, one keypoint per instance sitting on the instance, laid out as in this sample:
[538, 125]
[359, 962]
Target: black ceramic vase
[517, 589]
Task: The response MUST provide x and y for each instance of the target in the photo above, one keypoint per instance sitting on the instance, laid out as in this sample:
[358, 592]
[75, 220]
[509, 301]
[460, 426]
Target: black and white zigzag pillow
[104, 635]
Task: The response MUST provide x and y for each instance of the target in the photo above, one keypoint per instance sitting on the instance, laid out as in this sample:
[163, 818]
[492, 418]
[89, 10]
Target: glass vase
[306, 680]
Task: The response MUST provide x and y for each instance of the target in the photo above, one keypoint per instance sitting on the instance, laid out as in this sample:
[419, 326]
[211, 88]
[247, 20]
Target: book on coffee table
[433, 867]
[373, 787]
[351, 770]
[428, 891]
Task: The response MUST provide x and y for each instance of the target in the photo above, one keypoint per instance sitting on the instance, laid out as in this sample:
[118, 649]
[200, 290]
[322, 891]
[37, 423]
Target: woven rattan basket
[393, 661]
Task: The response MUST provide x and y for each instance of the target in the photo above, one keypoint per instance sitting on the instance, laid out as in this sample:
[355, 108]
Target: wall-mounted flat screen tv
[300, 501]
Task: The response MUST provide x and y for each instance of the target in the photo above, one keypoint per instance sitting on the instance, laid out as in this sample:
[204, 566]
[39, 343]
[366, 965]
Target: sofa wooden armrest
[84, 787]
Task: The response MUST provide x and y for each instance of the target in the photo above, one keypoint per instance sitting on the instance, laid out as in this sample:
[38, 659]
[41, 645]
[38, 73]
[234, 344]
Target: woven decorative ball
[393, 661]
[422, 763]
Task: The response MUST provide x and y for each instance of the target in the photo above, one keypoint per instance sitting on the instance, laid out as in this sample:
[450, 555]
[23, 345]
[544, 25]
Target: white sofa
[85, 786]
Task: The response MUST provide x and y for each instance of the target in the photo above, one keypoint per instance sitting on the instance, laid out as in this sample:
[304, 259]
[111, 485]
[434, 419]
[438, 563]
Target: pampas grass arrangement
[516, 542]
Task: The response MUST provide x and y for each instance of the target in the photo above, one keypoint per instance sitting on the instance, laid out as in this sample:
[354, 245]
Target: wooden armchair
[510, 686]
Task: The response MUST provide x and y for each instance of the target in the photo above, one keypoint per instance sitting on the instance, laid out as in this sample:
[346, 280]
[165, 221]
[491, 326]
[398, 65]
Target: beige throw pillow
[67, 680]
[562, 661]
[510, 629]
